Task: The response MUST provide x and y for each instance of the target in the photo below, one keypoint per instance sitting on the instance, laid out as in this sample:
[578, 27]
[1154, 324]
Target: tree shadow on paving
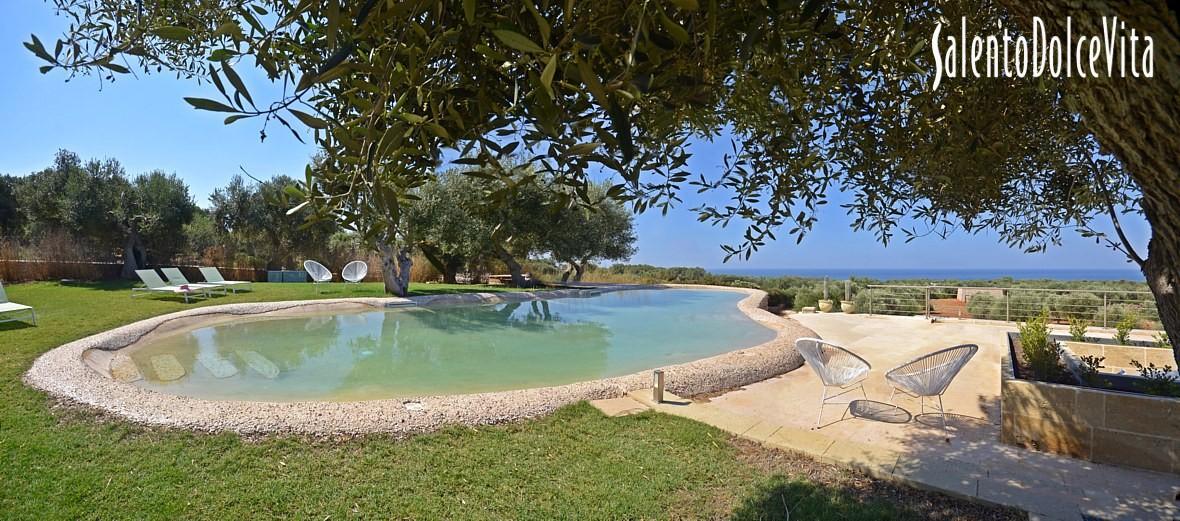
[796, 486]
[1047, 483]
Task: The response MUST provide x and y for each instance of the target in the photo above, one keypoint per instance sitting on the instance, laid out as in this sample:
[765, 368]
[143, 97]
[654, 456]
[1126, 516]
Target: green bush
[1089, 370]
[805, 297]
[1027, 305]
[1077, 329]
[1157, 381]
[1123, 328]
[1041, 353]
[780, 297]
[986, 306]
[1075, 305]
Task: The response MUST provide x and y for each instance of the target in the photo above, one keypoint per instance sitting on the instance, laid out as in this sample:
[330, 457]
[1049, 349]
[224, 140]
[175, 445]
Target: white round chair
[319, 274]
[928, 376]
[836, 367]
[354, 272]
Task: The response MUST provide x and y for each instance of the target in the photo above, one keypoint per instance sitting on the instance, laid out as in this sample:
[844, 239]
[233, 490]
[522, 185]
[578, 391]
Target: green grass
[59, 461]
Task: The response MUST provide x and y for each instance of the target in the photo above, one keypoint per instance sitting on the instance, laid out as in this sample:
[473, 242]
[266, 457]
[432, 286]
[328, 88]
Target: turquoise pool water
[447, 350]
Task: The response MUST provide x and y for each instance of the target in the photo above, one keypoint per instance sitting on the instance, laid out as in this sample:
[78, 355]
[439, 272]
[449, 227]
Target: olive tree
[581, 234]
[74, 197]
[255, 220]
[447, 224]
[812, 96]
[151, 211]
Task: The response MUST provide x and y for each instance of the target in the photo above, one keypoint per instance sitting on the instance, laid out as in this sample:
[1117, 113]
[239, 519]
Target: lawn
[60, 461]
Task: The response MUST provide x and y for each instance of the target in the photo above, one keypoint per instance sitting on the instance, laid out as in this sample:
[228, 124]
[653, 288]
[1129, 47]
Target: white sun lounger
[8, 307]
[155, 284]
[176, 278]
[213, 276]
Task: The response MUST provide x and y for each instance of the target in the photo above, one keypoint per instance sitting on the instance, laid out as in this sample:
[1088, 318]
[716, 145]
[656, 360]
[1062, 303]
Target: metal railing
[1103, 308]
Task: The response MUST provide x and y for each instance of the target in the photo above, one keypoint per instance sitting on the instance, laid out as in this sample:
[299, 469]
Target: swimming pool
[414, 351]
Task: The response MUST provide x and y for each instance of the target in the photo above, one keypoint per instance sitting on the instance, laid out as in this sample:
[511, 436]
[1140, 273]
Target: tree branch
[1114, 219]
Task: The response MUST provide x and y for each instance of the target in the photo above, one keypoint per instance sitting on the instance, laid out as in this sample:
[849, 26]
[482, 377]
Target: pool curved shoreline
[74, 372]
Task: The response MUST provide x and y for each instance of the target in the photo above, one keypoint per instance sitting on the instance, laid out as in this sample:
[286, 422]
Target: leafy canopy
[813, 97]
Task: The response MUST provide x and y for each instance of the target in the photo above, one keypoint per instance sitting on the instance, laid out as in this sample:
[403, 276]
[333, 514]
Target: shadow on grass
[781, 498]
[104, 285]
[17, 324]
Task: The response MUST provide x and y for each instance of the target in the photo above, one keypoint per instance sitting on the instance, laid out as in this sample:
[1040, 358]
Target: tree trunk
[514, 267]
[436, 261]
[1137, 120]
[569, 270]
[1162, 269]
[134, 256]
[579, 270]
[395, 267]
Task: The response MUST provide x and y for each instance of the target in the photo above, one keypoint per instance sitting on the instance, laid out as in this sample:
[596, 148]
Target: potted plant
[825, 305]
[847, 305]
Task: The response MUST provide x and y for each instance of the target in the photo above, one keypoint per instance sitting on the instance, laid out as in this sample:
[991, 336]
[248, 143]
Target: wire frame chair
[930, 375]
[836, 367]
[354, 271]
[319, 274]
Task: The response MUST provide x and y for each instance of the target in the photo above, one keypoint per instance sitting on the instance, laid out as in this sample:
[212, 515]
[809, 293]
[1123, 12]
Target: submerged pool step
[167, 368]
[123, 369]
[260, 364]
[217, 364]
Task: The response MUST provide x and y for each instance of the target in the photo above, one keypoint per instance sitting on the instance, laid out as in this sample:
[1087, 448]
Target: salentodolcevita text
[1118, 51]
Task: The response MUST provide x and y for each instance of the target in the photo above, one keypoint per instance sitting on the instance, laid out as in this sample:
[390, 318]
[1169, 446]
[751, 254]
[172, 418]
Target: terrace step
[623, 406]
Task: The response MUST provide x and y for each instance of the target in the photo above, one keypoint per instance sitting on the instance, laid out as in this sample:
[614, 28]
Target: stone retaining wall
[1114, 427]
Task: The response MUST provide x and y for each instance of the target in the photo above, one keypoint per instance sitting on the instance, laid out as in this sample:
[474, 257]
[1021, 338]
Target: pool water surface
[416, 351]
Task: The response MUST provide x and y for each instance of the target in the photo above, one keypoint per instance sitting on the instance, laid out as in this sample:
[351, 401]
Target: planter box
[1103, 426]
[1120, 356]
[286, 276]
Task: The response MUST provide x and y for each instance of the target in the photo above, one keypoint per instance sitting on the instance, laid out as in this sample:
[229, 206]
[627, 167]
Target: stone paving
[781, 412]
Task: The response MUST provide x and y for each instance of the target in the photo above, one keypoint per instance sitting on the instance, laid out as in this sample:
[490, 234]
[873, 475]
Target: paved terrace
[781, 412]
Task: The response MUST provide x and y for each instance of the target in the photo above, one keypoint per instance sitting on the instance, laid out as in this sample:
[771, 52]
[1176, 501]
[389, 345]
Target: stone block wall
[1112, 427]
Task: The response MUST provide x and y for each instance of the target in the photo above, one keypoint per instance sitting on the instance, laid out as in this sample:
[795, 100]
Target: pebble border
[62, 373]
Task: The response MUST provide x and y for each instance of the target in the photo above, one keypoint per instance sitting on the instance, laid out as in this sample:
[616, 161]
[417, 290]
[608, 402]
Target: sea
[884, 274]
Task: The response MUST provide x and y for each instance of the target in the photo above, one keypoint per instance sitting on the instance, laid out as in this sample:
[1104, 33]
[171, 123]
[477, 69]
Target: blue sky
[145, 124]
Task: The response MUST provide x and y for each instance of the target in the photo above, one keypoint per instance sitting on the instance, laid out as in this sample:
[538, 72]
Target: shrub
[1123, 329]
[1027, 305]
[1088, 371]
[805, 297]
[985, 306]
[780, 297]
[1075, 305]
[1162, 341]
[1041, 352]
[1157, 381]
[1077, 329]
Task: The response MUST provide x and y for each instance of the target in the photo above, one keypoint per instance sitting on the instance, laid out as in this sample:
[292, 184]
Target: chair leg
[942, 412]
[819, 417]
[34, 312]
[892, 392]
